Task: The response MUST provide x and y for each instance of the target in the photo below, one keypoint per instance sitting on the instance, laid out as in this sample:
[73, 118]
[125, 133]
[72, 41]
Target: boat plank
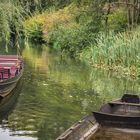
[124, 103]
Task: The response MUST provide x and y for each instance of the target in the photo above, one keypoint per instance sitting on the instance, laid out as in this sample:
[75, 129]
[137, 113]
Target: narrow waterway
[54, 93]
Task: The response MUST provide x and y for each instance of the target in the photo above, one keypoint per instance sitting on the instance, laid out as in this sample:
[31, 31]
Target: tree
[133, 11]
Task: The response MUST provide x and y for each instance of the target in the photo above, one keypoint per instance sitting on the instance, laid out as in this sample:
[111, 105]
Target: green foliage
[71, 39]
[33, 27]
[117, 20]
[38, 26]
[10, 20]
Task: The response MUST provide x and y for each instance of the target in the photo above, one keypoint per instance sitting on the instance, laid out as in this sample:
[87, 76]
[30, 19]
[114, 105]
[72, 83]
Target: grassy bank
[116, 52]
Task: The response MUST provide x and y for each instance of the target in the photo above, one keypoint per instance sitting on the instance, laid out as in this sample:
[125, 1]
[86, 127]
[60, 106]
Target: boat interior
[127, 106]
[10, 66]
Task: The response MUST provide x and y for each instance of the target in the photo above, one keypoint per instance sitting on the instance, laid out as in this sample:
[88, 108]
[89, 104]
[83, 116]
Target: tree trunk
[106, 19]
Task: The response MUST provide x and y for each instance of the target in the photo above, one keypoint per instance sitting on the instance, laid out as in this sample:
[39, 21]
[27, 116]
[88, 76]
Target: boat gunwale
[115, 115]
[79, 124]
[117, 103]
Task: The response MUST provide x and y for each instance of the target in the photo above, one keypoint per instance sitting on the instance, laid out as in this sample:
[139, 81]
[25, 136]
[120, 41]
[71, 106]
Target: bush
[72, 38]
[38, 26]
[33, 27]
[117, 20]
[53, 19]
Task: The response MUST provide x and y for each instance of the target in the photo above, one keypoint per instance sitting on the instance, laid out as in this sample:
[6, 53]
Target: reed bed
[116, 51]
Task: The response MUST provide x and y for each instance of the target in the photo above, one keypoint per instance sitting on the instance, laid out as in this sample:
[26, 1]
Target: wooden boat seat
[129, 98]
[124, 103]
[8, 63]
[10, 57]
[3, 59]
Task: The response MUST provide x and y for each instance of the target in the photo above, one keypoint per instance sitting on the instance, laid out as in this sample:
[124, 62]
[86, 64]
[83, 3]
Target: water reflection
[6, 135]
[9, 102]
[56, 92]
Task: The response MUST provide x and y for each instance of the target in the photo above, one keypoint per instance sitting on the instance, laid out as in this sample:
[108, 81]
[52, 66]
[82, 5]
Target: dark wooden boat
[82, 130]
[121, 113]
[11, 70]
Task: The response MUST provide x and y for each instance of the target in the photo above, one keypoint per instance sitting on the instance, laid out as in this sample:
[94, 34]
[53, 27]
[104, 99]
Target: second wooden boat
[11, 70]
[121, 113]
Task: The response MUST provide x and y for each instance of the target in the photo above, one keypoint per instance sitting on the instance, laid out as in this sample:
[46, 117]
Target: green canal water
[54, 93]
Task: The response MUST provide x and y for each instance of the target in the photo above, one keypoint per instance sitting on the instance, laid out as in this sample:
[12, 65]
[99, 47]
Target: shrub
[53, 19]
[38, 26]
[33, 27]
[72, 38]
[117, 20]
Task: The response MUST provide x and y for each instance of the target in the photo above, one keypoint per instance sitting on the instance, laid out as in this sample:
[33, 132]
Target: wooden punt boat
[82, 130]
[121, 113]
[11, 70]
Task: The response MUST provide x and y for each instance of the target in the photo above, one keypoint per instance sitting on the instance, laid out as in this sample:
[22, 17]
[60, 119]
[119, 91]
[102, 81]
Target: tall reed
[119, 49]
